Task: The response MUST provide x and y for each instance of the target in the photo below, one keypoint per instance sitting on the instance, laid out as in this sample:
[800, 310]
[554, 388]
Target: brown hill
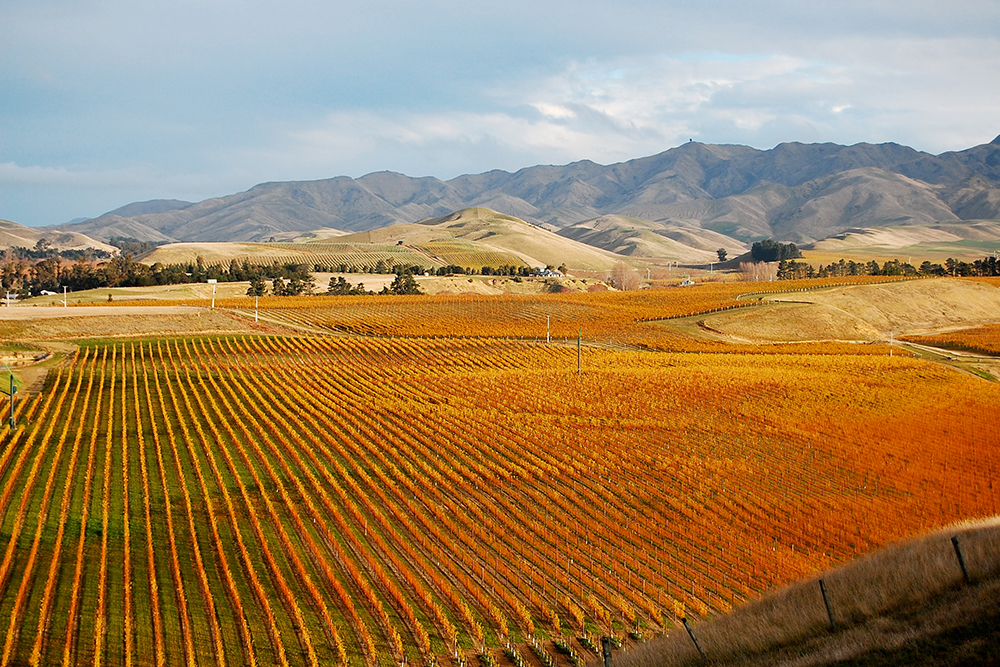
[641, 238]
[476, 234]
[473, 237]
[13, 234]
[863, 312]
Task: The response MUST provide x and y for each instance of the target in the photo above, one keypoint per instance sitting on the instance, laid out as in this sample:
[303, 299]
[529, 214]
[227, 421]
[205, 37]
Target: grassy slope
[864, 313]
[473, 237]
[13, 234]
[492, 232]
[640, 238]
[936, 242]
[904, 605]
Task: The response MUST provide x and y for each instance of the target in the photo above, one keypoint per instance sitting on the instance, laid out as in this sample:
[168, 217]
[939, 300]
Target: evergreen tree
[257, 287]
[404, 283]
[278, 287]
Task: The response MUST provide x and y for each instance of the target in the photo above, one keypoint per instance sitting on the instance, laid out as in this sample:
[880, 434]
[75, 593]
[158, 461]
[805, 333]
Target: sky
[107, 102]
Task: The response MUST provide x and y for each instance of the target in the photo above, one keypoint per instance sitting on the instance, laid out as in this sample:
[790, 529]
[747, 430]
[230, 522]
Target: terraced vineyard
[267, 500]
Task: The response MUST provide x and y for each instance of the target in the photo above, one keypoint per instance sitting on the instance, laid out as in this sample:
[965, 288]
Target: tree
[338, 286]
[404, 283]
[758, 271]
[722, 252]
[772, 251]
[278, 287]
[623, 278]
[257, 287]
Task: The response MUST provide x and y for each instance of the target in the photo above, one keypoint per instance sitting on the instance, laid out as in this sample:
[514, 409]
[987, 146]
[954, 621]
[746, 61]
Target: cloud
[603, 111]
[108, 184]
[906, 90]
[12, 174]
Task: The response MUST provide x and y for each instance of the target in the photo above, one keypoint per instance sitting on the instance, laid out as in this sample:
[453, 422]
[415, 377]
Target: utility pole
[212, 282]
[64, 296]
[255, 307]
[12, 392]
[579, 340]
[548, 329]
[13, 395]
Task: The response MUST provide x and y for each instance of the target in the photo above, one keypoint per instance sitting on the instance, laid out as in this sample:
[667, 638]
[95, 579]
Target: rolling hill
[13, 234]
[472, 237]
[793, 192]
[967, 240]
[636, 237]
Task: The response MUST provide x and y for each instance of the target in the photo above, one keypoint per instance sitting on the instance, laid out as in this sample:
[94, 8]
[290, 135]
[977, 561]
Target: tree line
[404, 283]
[27, 277]
[792, 270]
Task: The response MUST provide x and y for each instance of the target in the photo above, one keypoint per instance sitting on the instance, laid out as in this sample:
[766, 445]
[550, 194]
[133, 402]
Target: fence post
[606, 650]
[826, 603]
[704, 658]
[961, 559]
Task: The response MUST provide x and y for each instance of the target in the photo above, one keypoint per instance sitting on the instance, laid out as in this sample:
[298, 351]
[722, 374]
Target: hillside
[936, 242]
[798, 192]
[13, 234]
[863, 312]
[474, 237]
[908, 604]
[641, 238]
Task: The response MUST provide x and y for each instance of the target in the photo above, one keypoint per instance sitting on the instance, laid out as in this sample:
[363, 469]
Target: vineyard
[373, 501]
[980, 340]
[336, 256]
[621, 317]
[360, 257]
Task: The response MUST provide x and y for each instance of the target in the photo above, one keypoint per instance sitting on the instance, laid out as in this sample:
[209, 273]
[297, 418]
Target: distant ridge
[13, 234]
[792, 192]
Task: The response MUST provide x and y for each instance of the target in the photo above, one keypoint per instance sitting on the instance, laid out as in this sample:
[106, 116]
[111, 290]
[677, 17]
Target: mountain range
[697, 194]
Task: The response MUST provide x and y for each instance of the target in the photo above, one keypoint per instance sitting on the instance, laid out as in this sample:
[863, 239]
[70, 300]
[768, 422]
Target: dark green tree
[278, 287]
[405, 283]
[257, 287]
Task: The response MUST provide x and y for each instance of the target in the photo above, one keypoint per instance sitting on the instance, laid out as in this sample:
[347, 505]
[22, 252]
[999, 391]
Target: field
[325, 497]
[616, 317]
[328, 256]
[981, 340]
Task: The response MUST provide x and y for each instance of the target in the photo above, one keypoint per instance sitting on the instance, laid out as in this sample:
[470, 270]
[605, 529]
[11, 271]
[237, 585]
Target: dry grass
[864, 312]
[912, 575]
[98, 322]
